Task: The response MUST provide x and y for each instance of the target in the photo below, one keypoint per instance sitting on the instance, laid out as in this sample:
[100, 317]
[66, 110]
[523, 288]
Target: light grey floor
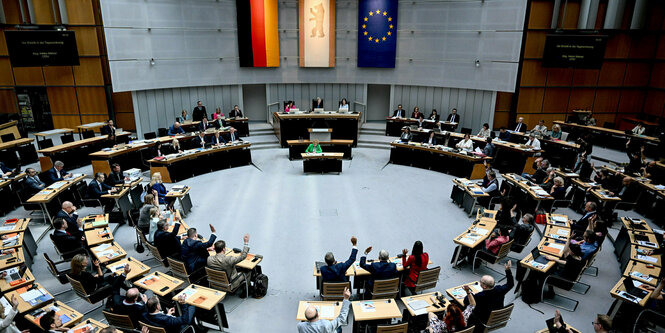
[294, 219]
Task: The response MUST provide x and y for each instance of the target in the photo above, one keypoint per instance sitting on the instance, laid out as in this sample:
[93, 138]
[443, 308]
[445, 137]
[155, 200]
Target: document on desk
[326, 311]
[648, 244]
[644, 277]
[563, 232]
[367, 306]
[56, 185]
[189, 292]
[7, 228]
[647, 258]
[101, 247]
[560, 219]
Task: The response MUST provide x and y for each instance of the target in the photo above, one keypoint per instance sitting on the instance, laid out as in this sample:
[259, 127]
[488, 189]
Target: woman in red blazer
[415, 263]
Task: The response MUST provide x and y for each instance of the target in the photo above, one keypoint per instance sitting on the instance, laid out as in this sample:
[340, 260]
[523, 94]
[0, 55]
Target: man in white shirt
[316, 325]
[540, 128]
[466, 144]
[533, 142]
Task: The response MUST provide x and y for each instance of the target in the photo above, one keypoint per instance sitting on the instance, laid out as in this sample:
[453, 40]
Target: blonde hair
[156, 178]
[175, 142]
[316, 142]
[77, 264]
[558, 180]
[557, 127]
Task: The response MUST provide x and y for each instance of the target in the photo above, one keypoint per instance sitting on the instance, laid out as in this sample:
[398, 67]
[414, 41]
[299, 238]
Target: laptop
[641, 238]
[295, 110]
[632, 290]
[537, 257]
[319, 264]
[318, 110]
[340, 110]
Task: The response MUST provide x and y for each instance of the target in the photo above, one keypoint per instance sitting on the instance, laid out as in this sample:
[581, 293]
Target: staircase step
[373, 145]
[266, 146]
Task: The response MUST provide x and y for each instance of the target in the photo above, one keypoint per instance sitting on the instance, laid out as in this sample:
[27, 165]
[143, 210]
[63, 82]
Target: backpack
[531, 291]
[260, 286]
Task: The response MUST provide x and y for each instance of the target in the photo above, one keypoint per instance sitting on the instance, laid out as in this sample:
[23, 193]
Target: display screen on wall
[574, 51]
[42, 48]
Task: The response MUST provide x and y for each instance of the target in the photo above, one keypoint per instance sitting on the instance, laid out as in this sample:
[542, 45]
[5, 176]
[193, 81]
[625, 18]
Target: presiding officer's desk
[290, 126]
[609, 137]
[240, 124]
[70, 153]
[296, 147]
[394, 125]
[322, 162]
[439, 158]
[175, 167]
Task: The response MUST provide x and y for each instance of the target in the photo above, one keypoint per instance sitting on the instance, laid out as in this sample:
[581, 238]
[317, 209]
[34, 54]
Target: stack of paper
[367, 306]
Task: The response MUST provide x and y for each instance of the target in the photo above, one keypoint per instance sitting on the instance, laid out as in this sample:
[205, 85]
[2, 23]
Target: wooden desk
[137, 268]
[206, 299]
[610, 137]
[322, 162]
[26, 279]
[56, 131]
[54, 153]
[62, 310]
[466, 193]
[458, 293]
[302, 306]
[555, 232]
[14, 259]
[98, 236]
[359, 271]
[12, 244]
[290, 126]
[651, 243]
[566, 175]
[156, 282]
[547, 330]
[394, 125]
[616, 292]
[554, 220]
[438, 158]
[383, 309]
[121, 199]
[603, 195]
[246, 264]
[427, 298]
[640, 272]
[24, 306]
[636, 225]
[529, 193]
[19, 226]
[107, 253]
[15, 143]
[551, 246]
[528, 263]
[98, 221]
[296, 147]
[652, 259]
[183, 198]
[91, 324]
[45, 196]
[90, 126]
[10, 128]
[475, 234]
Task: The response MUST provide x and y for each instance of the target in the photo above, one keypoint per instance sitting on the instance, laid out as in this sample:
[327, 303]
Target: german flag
[258, 39]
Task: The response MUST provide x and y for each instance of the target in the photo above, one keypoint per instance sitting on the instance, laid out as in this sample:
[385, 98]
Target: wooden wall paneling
[62, 101]
[534, 46]
[8, 103]
[504, 101]
[572, 14]
[3, 44]
[530, 100]
[541, 14]
[86, 40]
[600, 17]
[602, 118]
[66, 121]
[611, 74]
[581, 99]
[549, 119]
[559, 76]
[28, 76]
[618, 46]
[658, 75]
[655, 102]
[607, 100]
[643, 46]
[656, 15]
[92, 100]
[637, 74]
[80, 12]
[631, 101]
[89, 72]
[59, 76]
[125, 121]
[533, 73]
[86, 119]
[6, 75]
[43, 12]
[12, 11]
[585, 77]
[555, 100]
[122, 102]
[501, 119]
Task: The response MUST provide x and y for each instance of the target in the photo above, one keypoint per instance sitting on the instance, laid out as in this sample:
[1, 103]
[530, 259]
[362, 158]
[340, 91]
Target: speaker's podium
[322, 162]
[321, 134]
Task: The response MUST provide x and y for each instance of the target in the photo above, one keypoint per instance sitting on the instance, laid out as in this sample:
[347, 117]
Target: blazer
[310, 149]
[90, 282]
[380, 270]
[161, 192]
[453, 118]
[505, 136]
[134, 311]
[520, 127]
[107, 130]
[199, 142]
[559, 193]
[66, 242]
[435, 117]
[217, 140]
[174, 131]
[222, 262]
[232, 137]
[582, 223]
[72, 225]
[235, 114]
[4, 169]
[96, 189]
[539, 176]
[203, 127]
[413, 270]
[34, 184]
[399, 113]
[168, 243]
[194, 252]
[115, 178]
[337, 272]
[417, 115]
[426, 140]
[53, 177]
[197, 114]
[491, 299]
[406, 137]
[170, 323]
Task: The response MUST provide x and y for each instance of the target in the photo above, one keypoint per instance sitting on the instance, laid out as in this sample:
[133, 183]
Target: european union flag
[377, 33]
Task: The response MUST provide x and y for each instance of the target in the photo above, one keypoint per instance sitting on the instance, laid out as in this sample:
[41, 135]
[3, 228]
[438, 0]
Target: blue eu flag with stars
[377, 33]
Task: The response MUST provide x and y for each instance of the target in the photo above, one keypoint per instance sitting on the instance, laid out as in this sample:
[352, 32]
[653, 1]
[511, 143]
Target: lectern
[321, 134]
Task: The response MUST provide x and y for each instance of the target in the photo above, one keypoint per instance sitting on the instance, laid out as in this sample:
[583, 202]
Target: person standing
[199, 112]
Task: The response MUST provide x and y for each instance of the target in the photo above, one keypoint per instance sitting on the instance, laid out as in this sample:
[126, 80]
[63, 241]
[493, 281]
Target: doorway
[378, 102]
[254, 102]
[34, 109]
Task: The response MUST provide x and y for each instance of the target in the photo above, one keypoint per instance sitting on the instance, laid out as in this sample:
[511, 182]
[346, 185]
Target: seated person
[155, 217]
[174, 148]
[67, 244]
[485, 131]
[183, 116]
[548, 183]
[289, 106]
[108, 128]
[204, 125]
[602, 178]
[158, 187]
[556, 132]
[627, 192]
[421, 120]
[520, 126]
[522, 231]
[116, 177]
[217, 115]
[217, 139]
[51, 322]
[491, 297]
[496, 239]
[168, 243]
[314, 147]
[582, 224]
[416, 113]
[57, 173]
[233, 136]
[4, 170]
[91, 282]
[317, 103]
[558, 190]
[381, 270]
[434, 116]
[454, 319]
[314, 324]
[541, 165]
[504, 135]
[568, 267]
[199, 141]
[533, 142]
[406, 135]
[588, 245]
[453, 117]
[175, 129]
[168, 321]
[132, 304]
[590, 120]
[97, 188]
[32, 181]
[343, 105]
[334, 271]
[221, 262]
[466, 144]
[639, 129]
[74, 223]
[194, 252]
[540, 129]
[149, 203]
[492, 187]
[236, 112]
[158, 150]
[489, 148]
[636, 160]
[505, 215]
[399, 113]
[413, 265]
[431, 139]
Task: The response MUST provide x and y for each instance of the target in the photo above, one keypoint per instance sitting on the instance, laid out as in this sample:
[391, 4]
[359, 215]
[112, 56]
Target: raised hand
[354, 240]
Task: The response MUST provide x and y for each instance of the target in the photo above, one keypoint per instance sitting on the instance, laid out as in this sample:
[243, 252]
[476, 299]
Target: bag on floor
[541, 217]
[531, 291]
[260, 286]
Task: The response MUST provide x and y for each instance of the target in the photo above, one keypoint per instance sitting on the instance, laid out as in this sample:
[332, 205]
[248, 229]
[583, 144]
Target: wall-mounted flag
[377, 33]
[258, 37]
[317, 33]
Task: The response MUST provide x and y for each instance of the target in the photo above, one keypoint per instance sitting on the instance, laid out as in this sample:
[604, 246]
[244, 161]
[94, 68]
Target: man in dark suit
[491, 297]
[194, 252]
[236, 112]
[69, 245]
[233, 135]
[453, 117]
[380, 270]
[199, 112]
[430, 139]
[108, 128]
[589, 211]
[167, 243]
[504, 135]
[199, 141]
[32, 181]
[97, 188]
[520, 126]
[627, 192]
[69, 215]
[4, 170]
[115, 177]
[217, 139]
[399, 113]
[336, 272]
[204, 125]
[168, 321]
[132, 304]
[57, 173]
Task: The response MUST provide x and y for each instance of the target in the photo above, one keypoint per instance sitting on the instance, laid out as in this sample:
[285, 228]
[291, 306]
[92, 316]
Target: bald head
[487, 282]
[311, 314]
[132, 295]
[67, 206]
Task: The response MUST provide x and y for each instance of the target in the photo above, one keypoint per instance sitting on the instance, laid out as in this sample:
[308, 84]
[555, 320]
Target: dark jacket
[426, 140]
[97, 189]
[170, 323]
[454, 118]
[167, 243]
[203, 127]
[539, 176]
[194, 252]
[34, 184]
[230, 138]
[134, 311]
[199, 142]
[161, 192]
[115, 178]
[67, 243]
[505, 136]
[107, 130]
[234, 114]
[380, 270]
[72, 225]
[213, 140]
[520, 127]
[399, 113]
[337, 272]
[491, 299]
[521, 233]
[583, 223]
[52, 175]
[197, 114]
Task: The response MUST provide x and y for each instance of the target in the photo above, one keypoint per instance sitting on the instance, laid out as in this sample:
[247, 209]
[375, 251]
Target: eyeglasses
[594, 323]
